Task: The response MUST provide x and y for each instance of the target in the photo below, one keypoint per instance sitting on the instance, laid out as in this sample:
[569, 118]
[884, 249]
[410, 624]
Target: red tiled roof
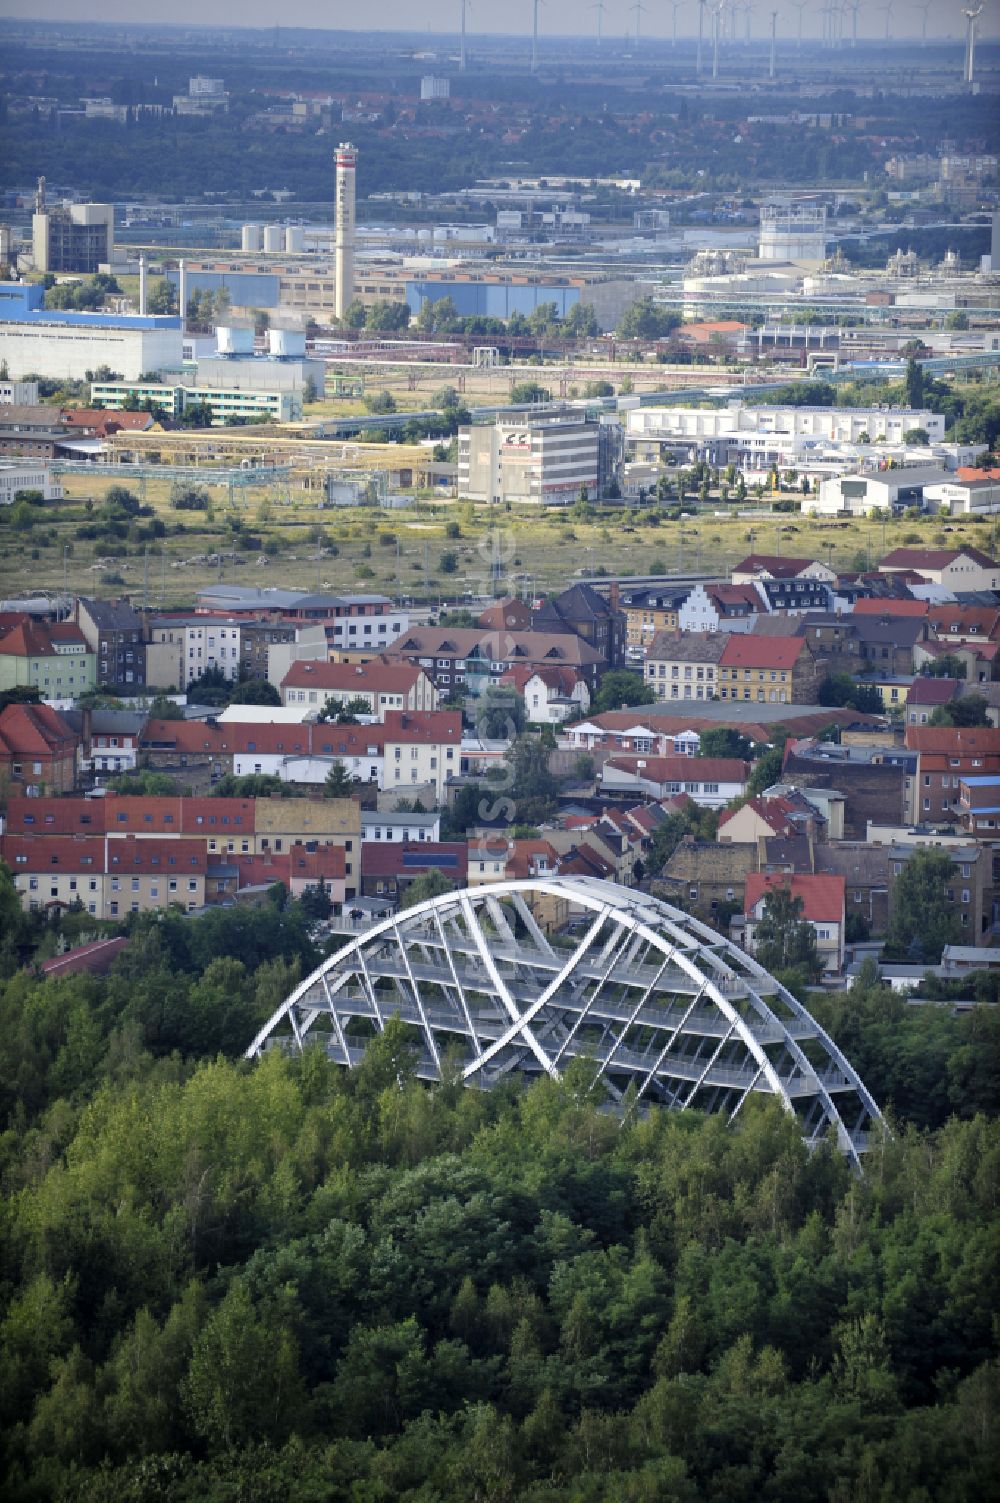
[933, 558]
[33, 639]
[746, 650]
[382, 678]
[94, 959]
[977, 621]
[424, 727]
[681, 769]
[954, 740]
[35, 730]
[932, 691]
[386, 859]
[774, 563]
[776, 812]
[735, 595]
[38, 853]
[822, 895]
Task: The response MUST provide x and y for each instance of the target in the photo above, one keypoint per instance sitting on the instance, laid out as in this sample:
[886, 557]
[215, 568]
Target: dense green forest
[288, 1282]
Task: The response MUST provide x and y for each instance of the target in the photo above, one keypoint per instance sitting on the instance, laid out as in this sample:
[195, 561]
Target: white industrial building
[21, 475]
[547, 460]
[860, 494]
[965, 498]
[69, 351]
[834, 424]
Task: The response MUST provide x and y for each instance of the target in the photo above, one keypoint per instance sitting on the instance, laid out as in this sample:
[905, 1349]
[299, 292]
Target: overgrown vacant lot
[268, 539]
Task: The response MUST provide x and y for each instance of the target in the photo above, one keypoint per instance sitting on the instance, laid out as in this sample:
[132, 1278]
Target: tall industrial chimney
[182, 290]
[347, 161]
[142, 286]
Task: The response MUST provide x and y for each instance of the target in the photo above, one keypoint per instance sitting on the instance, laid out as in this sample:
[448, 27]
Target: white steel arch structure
[669, 1011]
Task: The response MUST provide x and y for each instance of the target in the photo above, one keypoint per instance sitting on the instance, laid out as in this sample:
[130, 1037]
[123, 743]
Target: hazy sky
[555, 16]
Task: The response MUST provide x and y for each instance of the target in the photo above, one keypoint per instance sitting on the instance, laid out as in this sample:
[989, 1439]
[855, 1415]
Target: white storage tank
[250, 239]
[295, 239]
[274, 238]
[284, 343]
[235, 339]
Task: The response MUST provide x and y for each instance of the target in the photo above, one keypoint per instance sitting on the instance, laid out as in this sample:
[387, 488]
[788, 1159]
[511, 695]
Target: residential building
[946, 755]
[109, 740]
[979, 805]
[710, 781]
[684, 665]
[551, 695]
[422, 749]
[666, 729]
[964, 623]
[110, 878]
[767, 817]
[877, 783]
[38, 749]
[721, 607]
[382, 685]
[781, 670]
[956, 569]
[589, 615]
[182, 648]
[52, 657]
[776, 566]
[468, 659]
[970, 891]
[707, 878]
[388, 870]
[648, 610]
[823, 907]
[399, 826]
[113, 632]
[927, 694]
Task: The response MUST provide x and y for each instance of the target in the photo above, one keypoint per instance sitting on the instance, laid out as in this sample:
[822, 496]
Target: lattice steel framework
[669, 1011]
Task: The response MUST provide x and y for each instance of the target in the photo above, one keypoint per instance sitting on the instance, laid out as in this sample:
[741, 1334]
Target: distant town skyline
[556, 17]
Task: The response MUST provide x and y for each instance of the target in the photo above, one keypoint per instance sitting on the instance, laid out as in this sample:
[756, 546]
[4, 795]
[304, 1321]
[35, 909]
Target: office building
[546, 460]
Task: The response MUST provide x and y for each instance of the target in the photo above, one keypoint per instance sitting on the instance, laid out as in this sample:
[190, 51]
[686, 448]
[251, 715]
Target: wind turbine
[599, 7]
[855, 6]
[461, 49]
[971, 16]
[701, 32]
[888, 7]
[637, 9]
[925, 7]
[800, 6]
[534, 34]
[774, 25]
[716, 26]
[676, 5]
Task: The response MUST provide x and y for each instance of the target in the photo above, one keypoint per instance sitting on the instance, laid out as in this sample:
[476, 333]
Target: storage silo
[274, 239]
[295, 239]
[250, 239]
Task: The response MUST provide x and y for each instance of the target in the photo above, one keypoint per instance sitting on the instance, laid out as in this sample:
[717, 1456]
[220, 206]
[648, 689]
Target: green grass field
[401, 551]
